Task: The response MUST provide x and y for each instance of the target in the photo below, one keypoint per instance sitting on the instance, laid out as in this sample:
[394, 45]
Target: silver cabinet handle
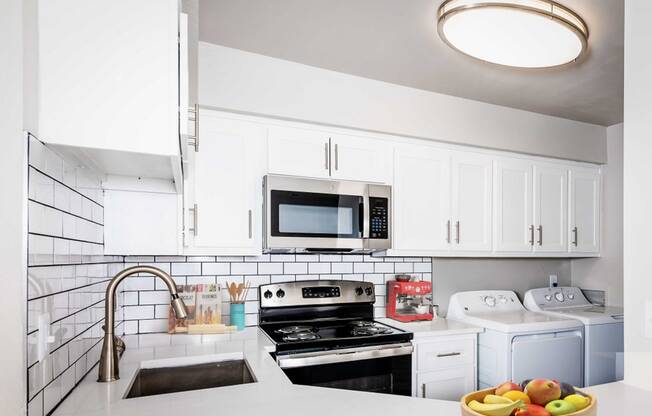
[531, 235]
[195, 214]
[449, 354]
[250, 225]
[194, 116]
[575, 236]
[326, 155]
[457, 232]
[423, 390]
[540, 229]
[337, 158]
[448, 231]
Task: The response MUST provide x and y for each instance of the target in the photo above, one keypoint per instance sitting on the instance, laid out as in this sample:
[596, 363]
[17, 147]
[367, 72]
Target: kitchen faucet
[109, 370]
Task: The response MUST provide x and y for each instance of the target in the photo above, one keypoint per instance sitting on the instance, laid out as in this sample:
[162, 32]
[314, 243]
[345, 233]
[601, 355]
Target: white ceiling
[396, 41]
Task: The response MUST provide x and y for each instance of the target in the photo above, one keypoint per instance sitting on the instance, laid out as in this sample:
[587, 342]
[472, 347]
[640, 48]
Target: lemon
[579, 401]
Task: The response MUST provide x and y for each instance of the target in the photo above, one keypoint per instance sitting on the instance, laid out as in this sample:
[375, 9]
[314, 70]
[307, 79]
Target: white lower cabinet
[448, 384]
[444, 367]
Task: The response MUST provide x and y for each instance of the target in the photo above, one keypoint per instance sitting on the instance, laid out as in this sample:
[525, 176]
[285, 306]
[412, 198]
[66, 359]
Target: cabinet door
[108, 75]
[360, 159]
[513, 205]
[471, 202]
[421, 194]
[298, 152]
[226, 186]
[550, 208]
[584, 217]
[450, 384]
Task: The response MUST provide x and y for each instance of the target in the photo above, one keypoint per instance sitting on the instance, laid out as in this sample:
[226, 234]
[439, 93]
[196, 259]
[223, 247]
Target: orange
[515, 395]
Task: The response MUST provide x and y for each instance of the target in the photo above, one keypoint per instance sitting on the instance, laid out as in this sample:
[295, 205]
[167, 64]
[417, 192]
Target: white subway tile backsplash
[363, 267]
[307, 258]
[244, 268]
[328, 258]
[343, 268]
[384, 267]
[319, 268]
[139, 312]
[270, 268]
[295, 268]
[403, 267]
[423, 267]
[186, 269]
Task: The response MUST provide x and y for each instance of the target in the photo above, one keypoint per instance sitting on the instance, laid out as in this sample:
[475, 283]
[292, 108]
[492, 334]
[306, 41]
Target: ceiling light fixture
[516, 33]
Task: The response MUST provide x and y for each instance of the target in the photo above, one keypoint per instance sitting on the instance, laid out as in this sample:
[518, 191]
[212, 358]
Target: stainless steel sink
[152, 381]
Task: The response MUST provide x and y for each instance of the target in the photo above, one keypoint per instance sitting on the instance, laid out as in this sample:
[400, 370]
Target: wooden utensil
[240, 291]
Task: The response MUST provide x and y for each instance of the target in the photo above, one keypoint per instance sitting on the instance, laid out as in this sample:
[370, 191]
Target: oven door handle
[365, 353]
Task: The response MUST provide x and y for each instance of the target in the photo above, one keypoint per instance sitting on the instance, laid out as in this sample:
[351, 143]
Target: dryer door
[557, 356]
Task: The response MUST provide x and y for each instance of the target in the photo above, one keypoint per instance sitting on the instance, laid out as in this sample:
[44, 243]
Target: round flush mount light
[515, 33]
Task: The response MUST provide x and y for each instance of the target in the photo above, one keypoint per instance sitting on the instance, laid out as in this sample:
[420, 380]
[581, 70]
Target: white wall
[606, 273]
[638, 193]
[520, 275]
[12, 219]
[237, 80]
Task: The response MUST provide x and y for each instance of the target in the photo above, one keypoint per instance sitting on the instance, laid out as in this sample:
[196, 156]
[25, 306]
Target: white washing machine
[518, 344]
[603, 329]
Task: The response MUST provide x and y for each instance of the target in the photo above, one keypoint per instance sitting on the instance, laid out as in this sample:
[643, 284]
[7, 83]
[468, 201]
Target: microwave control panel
[378, 217]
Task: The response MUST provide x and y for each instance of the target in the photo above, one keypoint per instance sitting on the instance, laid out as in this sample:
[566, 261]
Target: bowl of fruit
[537, 397]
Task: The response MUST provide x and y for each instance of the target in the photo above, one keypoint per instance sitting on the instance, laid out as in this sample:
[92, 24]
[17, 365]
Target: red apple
[505, 387]
[543, 391]
[532, 410]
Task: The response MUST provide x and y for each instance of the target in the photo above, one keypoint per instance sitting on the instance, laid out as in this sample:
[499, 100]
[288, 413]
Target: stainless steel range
[325, 335]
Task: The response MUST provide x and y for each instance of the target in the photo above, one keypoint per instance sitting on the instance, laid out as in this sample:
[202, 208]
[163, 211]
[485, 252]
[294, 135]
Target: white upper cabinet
[421, 199]
[360, 159]
[584, 210]
[224, 187]
[471, 201]
[513, 222]
[550, 208]
[318, 154]
[300, 152]
[107, 75]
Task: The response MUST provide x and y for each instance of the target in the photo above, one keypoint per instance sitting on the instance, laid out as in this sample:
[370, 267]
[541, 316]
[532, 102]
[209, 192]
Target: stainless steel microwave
[314, 215]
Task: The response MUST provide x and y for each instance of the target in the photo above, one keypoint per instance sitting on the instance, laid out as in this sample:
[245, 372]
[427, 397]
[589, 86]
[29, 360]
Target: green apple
[560, 407]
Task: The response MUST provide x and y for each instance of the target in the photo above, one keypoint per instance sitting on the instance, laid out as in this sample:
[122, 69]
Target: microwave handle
[365, 214]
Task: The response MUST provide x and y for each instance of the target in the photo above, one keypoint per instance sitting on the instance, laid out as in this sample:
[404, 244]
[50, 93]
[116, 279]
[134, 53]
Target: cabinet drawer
[445, 353]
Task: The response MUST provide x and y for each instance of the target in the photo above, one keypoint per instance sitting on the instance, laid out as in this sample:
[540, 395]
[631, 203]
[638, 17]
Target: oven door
[379, 369]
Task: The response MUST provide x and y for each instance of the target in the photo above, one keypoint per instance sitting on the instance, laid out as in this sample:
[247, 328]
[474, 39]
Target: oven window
[391, 375]
[303, 214]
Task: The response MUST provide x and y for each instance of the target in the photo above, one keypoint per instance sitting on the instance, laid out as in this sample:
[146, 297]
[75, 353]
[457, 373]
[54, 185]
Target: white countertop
[272, 394]
[436, 327]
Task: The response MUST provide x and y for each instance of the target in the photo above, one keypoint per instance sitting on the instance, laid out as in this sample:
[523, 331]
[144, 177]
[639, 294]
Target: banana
[493, 399]
[495, 409]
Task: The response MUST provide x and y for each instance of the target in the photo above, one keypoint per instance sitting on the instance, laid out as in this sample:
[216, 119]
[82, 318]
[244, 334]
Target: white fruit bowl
[590, 410]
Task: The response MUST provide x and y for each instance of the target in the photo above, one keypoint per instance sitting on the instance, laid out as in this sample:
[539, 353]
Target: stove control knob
[571, 296]
[502, 299]
[490, 301]
[280, 293]
[369, 291]
[548, 298]
[359, 291]
[559, 296]
[268, 294]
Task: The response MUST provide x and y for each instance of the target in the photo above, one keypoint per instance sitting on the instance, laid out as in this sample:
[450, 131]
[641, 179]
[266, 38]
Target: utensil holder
[237, 315]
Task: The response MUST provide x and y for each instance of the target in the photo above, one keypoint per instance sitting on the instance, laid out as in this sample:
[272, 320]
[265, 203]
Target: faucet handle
[120, 345]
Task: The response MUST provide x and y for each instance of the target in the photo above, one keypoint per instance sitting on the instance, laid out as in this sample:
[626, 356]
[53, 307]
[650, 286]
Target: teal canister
[237, 315]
